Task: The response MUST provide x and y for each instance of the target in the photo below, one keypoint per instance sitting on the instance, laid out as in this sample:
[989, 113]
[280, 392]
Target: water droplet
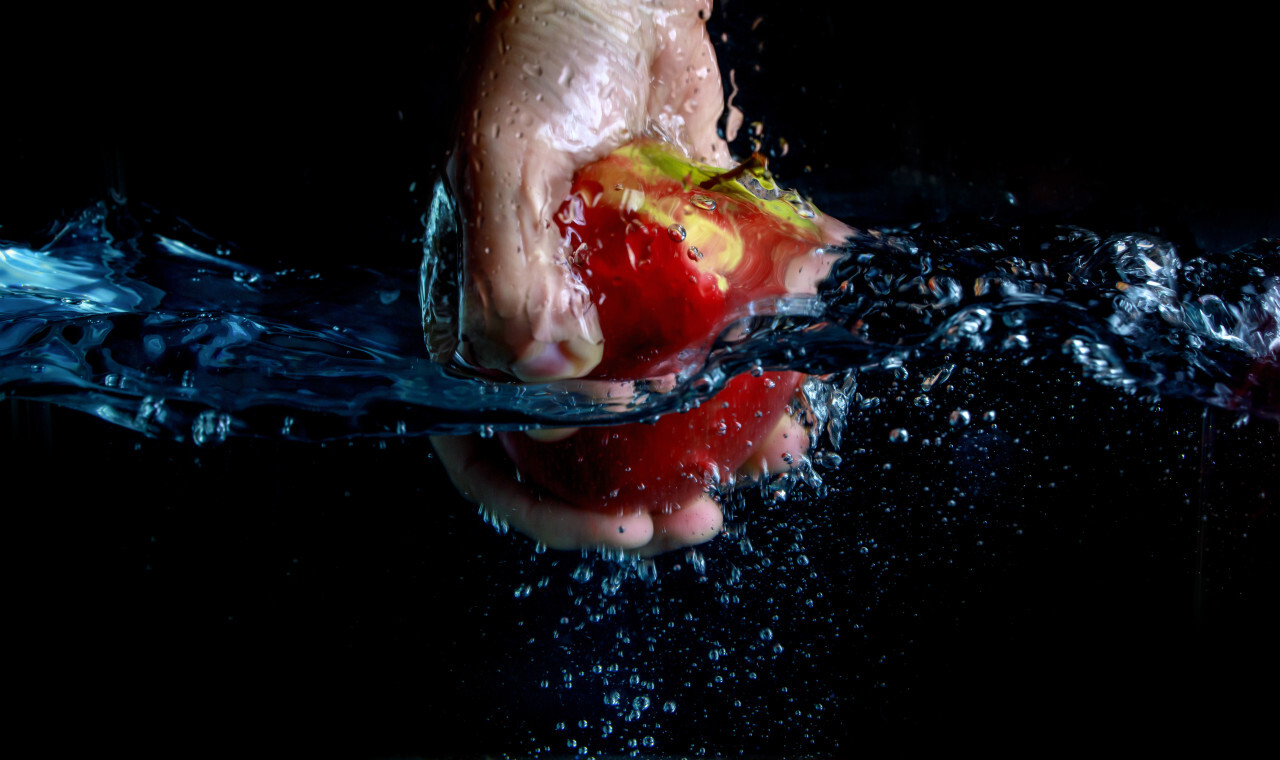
[989, 416]
[766, 634]
[694, 253]
[523, 591]
[669, 707]
[899, 435]
[150, 410]
[705, 202]
[486, 431]
[613, 698]
[640, 703]
[959, 418]
[936, 376]
[922, 401]
[676, 232]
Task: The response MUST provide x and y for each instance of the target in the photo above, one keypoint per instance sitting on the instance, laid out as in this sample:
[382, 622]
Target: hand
[549, 98]
[482, 473]
[560, 85]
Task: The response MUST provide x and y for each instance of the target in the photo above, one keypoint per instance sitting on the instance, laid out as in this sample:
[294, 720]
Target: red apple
[672, 253]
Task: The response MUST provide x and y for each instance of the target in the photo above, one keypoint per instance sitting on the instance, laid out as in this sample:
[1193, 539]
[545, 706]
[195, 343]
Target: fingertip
[567, 359]
[695, 523]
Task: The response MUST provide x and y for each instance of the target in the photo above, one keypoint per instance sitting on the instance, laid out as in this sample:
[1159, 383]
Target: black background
[342, 599]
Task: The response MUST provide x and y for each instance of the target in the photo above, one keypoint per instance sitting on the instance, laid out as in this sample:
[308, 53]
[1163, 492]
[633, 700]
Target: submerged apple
[672, 253]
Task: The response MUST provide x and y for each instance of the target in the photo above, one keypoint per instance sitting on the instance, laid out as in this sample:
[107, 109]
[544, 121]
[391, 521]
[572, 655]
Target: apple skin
[672, 253]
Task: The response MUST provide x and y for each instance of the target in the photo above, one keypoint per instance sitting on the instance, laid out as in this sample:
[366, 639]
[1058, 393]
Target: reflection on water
[1058, 457]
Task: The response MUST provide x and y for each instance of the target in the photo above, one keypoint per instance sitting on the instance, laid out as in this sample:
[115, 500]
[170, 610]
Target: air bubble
[210, 428]
[937, 376]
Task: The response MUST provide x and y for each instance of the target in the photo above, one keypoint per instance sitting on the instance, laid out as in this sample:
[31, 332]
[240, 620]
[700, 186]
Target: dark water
[1093, 550]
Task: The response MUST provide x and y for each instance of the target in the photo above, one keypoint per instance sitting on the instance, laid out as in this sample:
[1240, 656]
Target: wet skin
[562, 85]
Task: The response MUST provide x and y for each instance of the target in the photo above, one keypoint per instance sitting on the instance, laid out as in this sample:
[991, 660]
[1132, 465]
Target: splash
[141, 320]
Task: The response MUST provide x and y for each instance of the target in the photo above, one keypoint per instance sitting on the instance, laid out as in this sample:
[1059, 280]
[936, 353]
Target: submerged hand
[563, 84]
[484, 475]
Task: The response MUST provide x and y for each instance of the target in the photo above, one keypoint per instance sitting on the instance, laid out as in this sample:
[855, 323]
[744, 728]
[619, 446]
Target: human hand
[523, 310]
[561, 84]
[482, 473]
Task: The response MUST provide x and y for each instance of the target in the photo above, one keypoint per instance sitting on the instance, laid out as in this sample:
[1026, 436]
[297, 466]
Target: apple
[672, 253]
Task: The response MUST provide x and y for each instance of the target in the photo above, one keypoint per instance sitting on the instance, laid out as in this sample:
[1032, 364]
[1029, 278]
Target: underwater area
[1058, 516]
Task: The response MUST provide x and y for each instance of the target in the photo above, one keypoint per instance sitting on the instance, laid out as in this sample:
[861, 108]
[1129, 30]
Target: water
[963, 428]
[1081, 553]
[148, 324]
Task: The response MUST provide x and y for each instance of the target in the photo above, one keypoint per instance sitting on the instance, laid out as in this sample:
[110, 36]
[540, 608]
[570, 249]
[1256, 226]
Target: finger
[693, 524]
[688, 97]
[483, 475]
[804, 273]
[779, 451]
